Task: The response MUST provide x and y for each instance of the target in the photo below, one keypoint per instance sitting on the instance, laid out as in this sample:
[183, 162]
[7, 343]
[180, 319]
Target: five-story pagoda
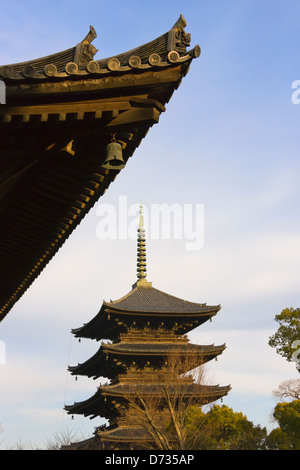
[146, 355]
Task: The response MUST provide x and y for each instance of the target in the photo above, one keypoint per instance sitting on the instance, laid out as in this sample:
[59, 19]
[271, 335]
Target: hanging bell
[114, 158]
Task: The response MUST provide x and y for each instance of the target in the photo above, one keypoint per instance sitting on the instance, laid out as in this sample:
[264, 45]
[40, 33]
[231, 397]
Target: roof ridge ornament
[180, 23]
[85, 51]
[178, 39]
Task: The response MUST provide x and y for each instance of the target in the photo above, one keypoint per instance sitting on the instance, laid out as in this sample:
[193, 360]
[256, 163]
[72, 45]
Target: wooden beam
[135, 115]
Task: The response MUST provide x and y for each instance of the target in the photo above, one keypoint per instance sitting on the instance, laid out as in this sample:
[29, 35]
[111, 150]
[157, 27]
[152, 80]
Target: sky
[227, 149]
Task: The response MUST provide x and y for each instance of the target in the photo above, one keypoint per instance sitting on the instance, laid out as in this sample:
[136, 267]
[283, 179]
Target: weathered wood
[136, 115]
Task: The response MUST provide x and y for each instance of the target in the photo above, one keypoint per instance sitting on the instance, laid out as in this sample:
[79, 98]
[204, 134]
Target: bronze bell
[114, 157]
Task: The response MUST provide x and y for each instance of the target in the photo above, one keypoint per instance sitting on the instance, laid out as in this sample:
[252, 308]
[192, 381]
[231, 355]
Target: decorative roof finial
[141, 247]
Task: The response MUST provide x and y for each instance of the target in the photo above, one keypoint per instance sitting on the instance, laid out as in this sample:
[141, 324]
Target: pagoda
[143, 332]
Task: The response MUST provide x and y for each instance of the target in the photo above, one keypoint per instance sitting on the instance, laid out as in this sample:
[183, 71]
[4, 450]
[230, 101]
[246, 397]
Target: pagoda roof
[99, 365]
[147, 299]
[205, 392]
[124, 433]
[152, 349]
[61, 112]
[102, 365]
[94, 406]
[92, 443]
[102, 403]
[146, 304]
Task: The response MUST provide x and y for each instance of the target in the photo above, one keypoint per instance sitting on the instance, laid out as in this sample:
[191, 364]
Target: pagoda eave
[209, 311]
[95, 406]
[92, 443]
[154, 349]
[195, 391]
[108, 328]
[108, 360]
[103, 402]
[99, 365]
[160, 82]
[124, 434]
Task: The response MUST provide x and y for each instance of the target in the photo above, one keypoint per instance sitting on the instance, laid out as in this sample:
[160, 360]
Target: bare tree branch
[288, 389]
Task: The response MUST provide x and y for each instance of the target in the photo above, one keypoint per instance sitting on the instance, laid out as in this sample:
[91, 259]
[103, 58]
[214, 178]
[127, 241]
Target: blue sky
[229, 140]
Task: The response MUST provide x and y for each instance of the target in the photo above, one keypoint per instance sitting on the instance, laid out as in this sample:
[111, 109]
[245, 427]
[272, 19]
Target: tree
[286, 340]
[288, 417]
[198, 428]
[229, 430]
[164, 408]
[288, 389]
[22, 445]
[62, 438]
[278, 440]
[176, 420]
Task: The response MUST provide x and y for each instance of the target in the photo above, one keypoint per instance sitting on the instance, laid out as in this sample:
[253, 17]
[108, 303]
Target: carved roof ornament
[178, 39]
[85, 51]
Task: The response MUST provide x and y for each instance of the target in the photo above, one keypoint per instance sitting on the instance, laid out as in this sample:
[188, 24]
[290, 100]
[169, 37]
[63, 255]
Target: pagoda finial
[141, 247]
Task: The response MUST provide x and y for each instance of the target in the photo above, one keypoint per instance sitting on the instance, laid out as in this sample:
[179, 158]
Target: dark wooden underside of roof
[54, 131]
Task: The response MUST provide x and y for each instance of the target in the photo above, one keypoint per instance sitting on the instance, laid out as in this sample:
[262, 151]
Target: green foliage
[288, 417]
[278, 440]
[287, 333]
[225, 430]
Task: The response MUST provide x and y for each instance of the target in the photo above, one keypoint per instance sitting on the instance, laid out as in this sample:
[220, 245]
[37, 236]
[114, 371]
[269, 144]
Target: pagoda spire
[141, 248]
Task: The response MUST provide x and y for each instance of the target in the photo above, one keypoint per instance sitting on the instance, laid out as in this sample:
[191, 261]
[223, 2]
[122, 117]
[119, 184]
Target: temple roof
[169, 48]
[92, 443]
[61, 112]
[147, 299]
[143, 305]
[111, 434]
[150, 348]
[124, 433]
[103, 401]
[207, 392]
[99, 365]
[102, 365]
